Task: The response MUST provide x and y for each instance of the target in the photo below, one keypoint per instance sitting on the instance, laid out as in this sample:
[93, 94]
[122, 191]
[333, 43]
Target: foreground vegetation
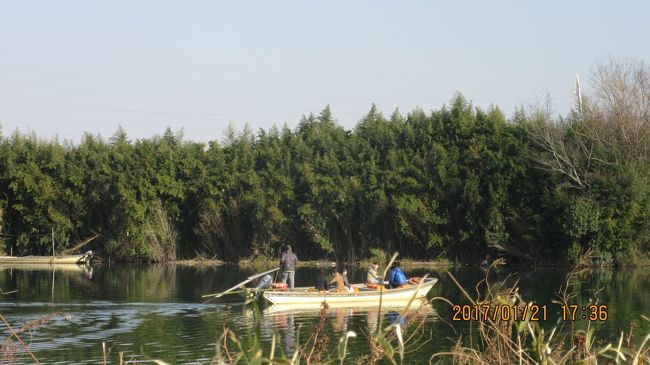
[522, 340]
[457, 183]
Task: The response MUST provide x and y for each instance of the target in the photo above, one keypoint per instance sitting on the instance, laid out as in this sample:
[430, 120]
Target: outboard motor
[265, 282]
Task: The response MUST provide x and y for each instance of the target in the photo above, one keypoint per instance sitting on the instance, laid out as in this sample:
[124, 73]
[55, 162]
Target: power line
[33, 117]
[158, 99]
[231, 92]
[90, 107]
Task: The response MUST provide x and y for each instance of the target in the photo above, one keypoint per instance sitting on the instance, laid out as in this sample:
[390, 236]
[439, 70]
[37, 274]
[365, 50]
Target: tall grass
[14, 347]
[388, 344]
[524, 341]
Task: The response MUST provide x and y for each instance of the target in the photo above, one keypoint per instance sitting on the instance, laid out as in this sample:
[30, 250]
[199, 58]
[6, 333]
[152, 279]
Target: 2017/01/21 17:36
[533, 312]
[592, 312]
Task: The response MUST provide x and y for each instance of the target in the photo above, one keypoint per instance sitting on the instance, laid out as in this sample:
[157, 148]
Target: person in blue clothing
[396, 277]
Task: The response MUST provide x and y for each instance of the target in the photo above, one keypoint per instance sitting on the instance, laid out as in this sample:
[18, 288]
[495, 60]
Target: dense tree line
[458, 183]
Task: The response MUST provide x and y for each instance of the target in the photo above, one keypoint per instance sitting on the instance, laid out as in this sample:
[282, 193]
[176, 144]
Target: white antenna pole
[577, 96]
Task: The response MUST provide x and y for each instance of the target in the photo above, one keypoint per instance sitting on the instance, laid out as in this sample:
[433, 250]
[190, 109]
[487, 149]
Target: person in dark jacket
[396, 277]
[288, 262]
[321, 281]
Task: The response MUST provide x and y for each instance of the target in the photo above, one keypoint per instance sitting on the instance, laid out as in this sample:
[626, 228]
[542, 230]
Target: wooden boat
[50, 260]
[365, 296]
[46, 267]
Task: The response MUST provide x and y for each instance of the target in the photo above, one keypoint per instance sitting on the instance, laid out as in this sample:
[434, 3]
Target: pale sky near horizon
[68, 67]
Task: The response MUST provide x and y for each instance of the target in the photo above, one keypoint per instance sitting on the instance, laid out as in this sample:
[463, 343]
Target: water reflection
[286, 325]
[340, 319]
[372, 319]
[395, 318]
[285, 321]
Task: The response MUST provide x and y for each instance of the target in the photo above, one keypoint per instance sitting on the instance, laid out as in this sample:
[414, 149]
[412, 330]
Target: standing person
[288, 262]
[373, 277]
[396, 277]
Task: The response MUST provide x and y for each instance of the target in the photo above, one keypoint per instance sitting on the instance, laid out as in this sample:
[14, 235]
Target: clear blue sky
[72, 66]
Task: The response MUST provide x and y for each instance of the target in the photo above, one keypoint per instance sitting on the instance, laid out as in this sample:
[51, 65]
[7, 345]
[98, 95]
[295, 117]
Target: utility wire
[198, 103]
[196, 116]
[232, 92]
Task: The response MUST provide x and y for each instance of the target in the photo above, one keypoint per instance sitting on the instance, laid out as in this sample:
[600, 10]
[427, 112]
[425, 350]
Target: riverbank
[267, 263]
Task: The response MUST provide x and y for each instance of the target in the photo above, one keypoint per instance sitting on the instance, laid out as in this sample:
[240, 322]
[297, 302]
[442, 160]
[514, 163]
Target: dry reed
[525, 342]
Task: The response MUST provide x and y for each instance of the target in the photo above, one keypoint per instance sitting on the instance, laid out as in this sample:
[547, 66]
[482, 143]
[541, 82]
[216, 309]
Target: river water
[156, 311]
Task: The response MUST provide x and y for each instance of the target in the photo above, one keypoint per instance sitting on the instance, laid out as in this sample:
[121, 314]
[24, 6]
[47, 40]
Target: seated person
[396, 277]
[372, 277]
[321, 281]
[338, 281]
[347, 284]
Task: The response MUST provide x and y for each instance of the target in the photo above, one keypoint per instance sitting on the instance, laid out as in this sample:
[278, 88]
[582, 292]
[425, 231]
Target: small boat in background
[59, 268]
[48, 260]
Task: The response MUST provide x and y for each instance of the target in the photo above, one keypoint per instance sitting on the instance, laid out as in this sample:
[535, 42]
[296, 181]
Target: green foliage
[378, 255]
[582, 226]
[459, 182]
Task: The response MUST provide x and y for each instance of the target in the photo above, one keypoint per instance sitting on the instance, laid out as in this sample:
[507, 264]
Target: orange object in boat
[280, 286]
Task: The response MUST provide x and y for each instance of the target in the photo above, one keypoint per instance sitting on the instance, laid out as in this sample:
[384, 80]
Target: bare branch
[613, 128]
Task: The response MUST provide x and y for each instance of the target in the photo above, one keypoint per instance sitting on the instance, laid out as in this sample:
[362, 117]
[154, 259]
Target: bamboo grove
[457, 183]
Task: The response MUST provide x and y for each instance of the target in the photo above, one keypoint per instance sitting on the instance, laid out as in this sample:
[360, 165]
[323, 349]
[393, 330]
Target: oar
[232, 292]
[217, 295]
[248, 280]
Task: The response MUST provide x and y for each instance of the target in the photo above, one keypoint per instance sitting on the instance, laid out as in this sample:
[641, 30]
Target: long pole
[53, 267]
[53, 255]
[262, 273]
[248, 280]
